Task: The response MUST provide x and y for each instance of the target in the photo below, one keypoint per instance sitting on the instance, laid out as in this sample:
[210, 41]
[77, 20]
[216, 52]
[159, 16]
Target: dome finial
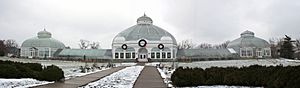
[44, 27]
[44, 34]
[144, 19]
[247, 33]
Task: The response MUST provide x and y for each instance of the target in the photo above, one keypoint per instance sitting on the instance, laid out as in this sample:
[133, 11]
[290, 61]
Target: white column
[49, 52]
[171, 53]
[166, 54]
[241, 52]
[124, 54]
[160, 55]
[37, 53]
[119, 55]
[113, 53]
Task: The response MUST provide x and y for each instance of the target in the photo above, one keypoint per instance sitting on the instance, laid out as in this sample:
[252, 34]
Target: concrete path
[80, 81]
[149, 78]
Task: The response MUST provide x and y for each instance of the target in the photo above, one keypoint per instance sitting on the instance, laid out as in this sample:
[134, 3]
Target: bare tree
[297, 48]
[10, 43]
[225, 44]
[185, 44]
[222, 45]
[297, 44]
[84, 44]
[204, 46]
[211, 46]
[95, 45]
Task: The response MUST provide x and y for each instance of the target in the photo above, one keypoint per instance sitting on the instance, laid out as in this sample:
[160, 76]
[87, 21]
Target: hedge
[253, 76]
[10, 69]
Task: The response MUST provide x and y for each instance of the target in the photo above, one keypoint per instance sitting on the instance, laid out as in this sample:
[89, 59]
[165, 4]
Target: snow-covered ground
[166, 72]
[124, 78]
[21, 83]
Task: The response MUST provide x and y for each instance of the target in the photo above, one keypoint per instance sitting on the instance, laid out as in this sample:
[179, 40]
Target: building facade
[41, 46]
[146, 42]
[249, 46]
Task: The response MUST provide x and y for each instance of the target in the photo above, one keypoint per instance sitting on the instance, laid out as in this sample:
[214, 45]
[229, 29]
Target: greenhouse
[146, 42]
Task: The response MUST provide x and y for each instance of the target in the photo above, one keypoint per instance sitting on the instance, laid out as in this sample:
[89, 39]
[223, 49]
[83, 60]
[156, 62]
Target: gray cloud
[211, 21]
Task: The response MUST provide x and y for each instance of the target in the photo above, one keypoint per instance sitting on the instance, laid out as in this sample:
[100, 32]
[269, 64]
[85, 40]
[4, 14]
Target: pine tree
[286, 49]
[2, 48]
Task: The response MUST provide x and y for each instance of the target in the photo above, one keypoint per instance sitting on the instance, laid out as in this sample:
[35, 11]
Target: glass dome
[248, 39]
[144, 29]
[43, 39]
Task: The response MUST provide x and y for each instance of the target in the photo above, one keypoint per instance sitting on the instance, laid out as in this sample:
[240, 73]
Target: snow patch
[124, 78]
[152, 64]
[125, 64]
[21, 83]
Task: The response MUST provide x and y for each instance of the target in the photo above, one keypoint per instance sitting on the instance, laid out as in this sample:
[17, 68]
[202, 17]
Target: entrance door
[143, 55]
[33, 52]
[259, 54]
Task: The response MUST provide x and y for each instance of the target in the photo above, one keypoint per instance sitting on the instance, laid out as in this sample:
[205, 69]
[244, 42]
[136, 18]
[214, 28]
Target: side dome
[43, 39]
[119, 39]
[166, 39]
[248, 39]
[144, 29]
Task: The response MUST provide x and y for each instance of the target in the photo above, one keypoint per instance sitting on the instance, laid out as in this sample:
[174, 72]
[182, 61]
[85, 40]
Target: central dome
[144, 29]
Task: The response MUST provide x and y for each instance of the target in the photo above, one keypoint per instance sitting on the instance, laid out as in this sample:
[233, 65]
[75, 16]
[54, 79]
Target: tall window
[249, 52]
[243, 52]
[152, 55]
[169, 55]
[133, 54]
[267, 52]
[259, 52]
[157, 55]
[121, 55]
[128, 55]
[116, 55]
[163, 54]
[246, 52]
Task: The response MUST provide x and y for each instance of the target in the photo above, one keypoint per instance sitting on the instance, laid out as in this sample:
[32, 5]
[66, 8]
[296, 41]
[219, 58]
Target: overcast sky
[209, 21]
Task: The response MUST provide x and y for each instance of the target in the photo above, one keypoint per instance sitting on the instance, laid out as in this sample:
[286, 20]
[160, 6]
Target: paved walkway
[149, 78]
[80, 81]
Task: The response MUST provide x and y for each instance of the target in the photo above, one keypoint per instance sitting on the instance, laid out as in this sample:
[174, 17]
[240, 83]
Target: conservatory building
[144, 41]
[42, 46]
[249, 46]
